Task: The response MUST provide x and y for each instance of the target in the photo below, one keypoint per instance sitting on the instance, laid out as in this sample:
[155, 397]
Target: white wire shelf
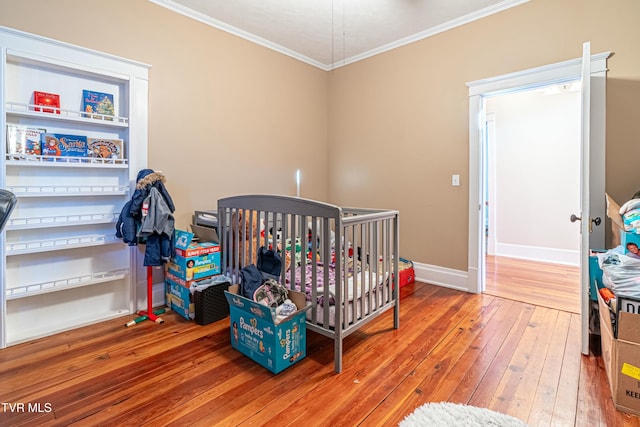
[60, 221]
[37, 246]
[18, 159]
[60, 285]
[68, 190]
[28, 110]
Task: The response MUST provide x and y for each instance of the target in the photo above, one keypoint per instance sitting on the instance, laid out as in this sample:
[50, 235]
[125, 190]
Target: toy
[249, 238]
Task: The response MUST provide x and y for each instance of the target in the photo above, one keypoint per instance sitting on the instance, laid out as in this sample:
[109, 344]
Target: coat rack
[150, 313]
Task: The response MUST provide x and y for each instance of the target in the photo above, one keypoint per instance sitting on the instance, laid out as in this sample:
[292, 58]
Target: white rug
[445, 414]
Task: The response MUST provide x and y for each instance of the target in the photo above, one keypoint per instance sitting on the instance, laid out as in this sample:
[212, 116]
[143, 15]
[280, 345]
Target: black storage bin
[210, 304]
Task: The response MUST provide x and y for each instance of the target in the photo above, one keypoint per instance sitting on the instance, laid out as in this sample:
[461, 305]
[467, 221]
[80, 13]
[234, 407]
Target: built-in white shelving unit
[61, 265]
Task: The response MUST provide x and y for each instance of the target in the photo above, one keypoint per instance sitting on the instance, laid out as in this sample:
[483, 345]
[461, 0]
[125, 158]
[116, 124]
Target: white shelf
[32, 160]
[68, 190]
[62, 227]
[37, 246]
[60, 221]
[27, 110]
[60, 285]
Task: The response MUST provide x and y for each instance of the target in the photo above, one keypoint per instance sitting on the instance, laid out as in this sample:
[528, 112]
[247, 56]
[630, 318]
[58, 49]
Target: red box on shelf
[46, 99]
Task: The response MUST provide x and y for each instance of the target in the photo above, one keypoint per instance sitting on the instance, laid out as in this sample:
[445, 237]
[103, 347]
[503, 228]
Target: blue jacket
[159, 245]
[127, 225]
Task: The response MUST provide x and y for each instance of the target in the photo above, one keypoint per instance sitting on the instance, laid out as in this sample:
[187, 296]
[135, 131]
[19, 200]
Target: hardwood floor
[539, 283]
[483, 350]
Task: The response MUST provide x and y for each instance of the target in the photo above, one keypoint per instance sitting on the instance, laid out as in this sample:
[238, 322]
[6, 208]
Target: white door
[585, 193]
[592, 179]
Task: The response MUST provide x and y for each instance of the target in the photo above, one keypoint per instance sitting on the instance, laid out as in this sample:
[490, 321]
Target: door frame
[479, 90]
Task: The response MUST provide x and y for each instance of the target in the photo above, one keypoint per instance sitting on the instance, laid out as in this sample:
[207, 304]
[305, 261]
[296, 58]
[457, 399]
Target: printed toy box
[407, 272]
[194, 260]
[254, 332]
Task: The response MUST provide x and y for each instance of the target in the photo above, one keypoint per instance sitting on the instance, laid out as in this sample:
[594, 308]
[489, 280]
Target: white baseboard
[159, 294]
[442, 276]
[534, 253]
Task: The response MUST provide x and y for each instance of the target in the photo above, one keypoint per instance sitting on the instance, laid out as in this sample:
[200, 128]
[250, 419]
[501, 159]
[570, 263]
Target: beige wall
[408, 110]
[223, 111]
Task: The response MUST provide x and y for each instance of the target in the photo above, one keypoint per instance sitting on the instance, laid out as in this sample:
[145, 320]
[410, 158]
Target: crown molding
[198, 16]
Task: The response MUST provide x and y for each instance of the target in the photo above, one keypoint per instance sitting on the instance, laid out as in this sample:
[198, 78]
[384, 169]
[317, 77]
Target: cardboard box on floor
[621, 357]
[254, 333]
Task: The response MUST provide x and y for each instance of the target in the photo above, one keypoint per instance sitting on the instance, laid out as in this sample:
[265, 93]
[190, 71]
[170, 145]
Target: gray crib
[344, 259]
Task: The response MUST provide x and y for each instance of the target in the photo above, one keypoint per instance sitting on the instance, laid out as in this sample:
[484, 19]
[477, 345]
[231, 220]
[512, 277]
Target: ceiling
[332, 33]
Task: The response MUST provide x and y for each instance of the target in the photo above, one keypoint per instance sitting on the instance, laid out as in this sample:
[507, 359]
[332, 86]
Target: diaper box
[194, 260]
[178, 298]
[256, 334]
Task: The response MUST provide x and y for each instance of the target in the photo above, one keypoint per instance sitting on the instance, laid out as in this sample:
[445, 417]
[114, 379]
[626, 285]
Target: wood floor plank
[511, 394]
[488, 387]
[484, 351]
[531, 365]
[591, 408]
[565, 406]
[546, 392]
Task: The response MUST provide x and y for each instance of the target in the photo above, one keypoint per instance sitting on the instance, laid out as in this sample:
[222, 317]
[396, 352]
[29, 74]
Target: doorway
[479, 91]
[532, 186]
[592, 71]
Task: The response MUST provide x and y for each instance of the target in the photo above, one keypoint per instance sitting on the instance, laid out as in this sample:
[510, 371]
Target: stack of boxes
[256, 332]
[193, 264]
[619, 316]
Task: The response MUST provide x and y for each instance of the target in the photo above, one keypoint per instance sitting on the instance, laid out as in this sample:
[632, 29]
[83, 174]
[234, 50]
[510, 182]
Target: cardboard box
[194, 260]
[255, 334]
[178, 298]
[621, 357]
[194, 268]
[619, 236]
